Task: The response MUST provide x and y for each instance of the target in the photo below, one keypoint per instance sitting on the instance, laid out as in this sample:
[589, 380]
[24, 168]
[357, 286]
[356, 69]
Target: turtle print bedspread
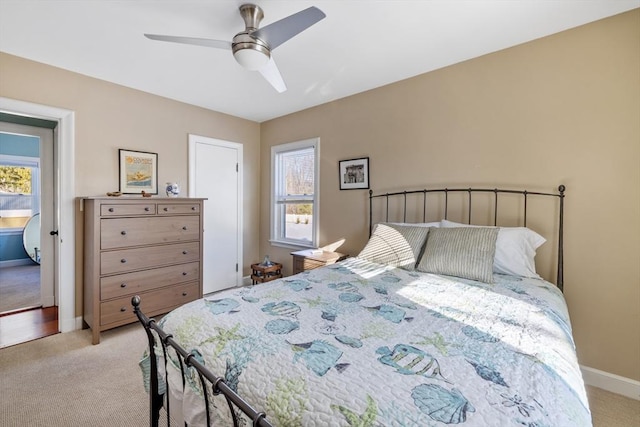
[360, 344]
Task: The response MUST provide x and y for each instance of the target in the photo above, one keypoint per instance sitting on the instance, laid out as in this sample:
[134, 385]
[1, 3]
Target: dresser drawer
[310, 264]
[126, 232]
[128, 209]
[146, 280]
[178, 208]
[120, 310]
[126, 260]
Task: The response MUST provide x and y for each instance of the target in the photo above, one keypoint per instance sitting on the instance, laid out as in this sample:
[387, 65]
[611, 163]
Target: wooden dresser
[150, 247]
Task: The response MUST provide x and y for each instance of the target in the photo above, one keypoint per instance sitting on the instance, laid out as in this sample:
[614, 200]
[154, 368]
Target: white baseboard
[48, 301]
[611, 382]
[70, 325]
[246, 281]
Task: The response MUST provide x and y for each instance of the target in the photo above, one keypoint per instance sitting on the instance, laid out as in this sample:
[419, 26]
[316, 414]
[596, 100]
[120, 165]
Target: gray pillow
[395, 245]
[461, 252]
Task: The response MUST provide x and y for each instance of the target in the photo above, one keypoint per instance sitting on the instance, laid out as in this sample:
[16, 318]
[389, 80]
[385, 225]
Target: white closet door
[215, 173]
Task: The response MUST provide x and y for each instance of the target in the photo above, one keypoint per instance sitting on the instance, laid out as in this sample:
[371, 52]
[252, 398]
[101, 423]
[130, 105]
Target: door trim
[193, 139]
[64, 168]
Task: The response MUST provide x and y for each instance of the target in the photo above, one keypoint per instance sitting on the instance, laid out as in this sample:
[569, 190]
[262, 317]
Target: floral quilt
[361, 344]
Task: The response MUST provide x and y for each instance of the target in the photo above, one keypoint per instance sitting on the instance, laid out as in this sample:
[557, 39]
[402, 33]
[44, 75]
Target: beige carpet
[19, 287]
[63, 380]
[613, 410]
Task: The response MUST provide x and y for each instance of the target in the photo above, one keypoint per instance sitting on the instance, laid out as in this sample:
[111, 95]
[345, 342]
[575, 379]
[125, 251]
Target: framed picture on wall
[354, 174]
[138, 172]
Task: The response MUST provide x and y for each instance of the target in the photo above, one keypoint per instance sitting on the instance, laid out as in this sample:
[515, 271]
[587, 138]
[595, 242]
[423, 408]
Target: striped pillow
[395, 245]
[461, 252]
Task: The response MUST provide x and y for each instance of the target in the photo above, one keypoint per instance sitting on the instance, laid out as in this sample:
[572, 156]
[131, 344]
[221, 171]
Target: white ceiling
[360, 45]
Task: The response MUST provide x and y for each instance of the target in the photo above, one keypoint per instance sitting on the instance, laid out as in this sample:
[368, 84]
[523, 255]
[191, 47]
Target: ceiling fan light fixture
[251, 58]
[252, 47]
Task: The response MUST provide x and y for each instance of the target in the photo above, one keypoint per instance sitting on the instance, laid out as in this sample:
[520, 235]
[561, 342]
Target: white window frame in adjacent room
[278, 216]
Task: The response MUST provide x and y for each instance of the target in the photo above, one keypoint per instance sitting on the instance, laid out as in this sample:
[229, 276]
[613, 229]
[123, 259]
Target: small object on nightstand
[265, 273]
[145, 194]
[314, 258]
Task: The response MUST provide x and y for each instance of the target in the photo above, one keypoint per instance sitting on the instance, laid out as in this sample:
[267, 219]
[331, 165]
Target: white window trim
[298, 145]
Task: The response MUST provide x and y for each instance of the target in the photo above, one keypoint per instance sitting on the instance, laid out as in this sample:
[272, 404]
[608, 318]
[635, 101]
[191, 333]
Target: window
[294, 193]
[19, 190]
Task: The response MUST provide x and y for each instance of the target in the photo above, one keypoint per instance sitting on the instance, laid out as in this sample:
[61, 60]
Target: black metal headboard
[496, 191]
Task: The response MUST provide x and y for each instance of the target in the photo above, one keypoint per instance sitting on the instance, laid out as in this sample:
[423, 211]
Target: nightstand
[262, 274]
[308, 259]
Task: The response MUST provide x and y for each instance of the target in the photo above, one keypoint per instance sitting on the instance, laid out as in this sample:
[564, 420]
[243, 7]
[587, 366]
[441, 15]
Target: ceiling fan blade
[271, 74]
[280, 31]
[220, 44]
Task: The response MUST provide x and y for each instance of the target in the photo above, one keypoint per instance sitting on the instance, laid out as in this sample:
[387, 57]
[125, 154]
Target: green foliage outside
[15, 179]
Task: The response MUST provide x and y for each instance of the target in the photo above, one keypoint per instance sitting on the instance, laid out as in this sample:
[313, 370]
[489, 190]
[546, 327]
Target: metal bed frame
[496, 191]
[159, 339]
[187, 360]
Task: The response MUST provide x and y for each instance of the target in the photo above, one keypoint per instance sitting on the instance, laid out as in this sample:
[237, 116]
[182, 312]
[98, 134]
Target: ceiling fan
[252, 47]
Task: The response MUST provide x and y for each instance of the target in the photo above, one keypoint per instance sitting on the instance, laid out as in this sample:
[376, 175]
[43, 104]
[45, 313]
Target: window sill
[290, 245]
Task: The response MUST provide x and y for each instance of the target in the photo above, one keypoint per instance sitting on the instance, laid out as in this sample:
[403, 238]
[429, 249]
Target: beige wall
[109, 117]
[560, 110]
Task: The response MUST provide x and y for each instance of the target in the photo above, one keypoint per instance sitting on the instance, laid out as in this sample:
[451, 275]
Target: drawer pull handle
[146, 209]
[184, 252]
[123, 285]
[166, 209]
[184, 273]
[123, 260]
[184, 228]
[193, 208]
[110, 209]
[184, 294]
[123, 232]
[123, 309]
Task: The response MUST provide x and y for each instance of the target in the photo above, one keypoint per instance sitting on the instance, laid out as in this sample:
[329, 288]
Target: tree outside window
[16, 201]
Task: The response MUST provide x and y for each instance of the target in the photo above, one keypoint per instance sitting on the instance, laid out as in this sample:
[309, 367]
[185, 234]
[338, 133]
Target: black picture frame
[354, 174]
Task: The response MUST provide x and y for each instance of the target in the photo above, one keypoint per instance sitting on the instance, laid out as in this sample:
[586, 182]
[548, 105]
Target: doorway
[215, 173]
[27, 254]
[64, 242]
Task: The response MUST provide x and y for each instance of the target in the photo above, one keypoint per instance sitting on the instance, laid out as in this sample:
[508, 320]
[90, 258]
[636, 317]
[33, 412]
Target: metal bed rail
[187, 360]
[496, 191]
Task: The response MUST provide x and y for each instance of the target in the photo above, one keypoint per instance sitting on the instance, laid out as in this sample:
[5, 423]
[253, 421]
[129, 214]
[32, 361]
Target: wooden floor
[28, 325]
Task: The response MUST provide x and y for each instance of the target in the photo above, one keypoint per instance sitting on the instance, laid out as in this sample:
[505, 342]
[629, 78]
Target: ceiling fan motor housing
[250, 52]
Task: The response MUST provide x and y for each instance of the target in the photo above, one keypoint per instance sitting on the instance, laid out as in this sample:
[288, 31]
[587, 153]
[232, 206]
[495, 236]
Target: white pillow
[515, 249]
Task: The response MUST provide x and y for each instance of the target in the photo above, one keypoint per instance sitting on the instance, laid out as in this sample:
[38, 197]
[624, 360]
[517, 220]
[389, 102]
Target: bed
[407, 333]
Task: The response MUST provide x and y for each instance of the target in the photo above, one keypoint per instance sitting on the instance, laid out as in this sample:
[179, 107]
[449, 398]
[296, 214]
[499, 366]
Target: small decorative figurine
[145, 194]
[172, 189]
